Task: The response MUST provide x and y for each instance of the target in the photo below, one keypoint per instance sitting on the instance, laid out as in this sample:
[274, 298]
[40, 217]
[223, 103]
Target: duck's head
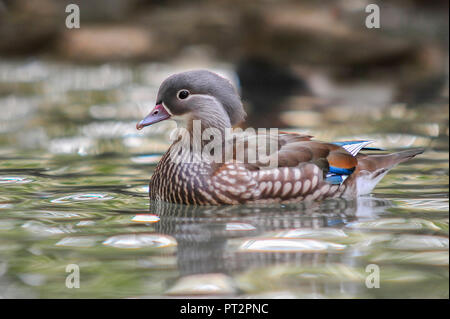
[202, 94]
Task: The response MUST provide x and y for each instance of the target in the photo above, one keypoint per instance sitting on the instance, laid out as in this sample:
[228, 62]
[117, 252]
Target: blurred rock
[265, 88]
[328, 47]
[27, 26]
[307, 34]
[102, 10]
[100, 43]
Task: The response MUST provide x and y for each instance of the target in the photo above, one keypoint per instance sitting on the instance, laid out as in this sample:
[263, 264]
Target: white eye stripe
[167, 109]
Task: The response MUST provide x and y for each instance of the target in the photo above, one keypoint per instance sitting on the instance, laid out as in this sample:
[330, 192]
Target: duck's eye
[183, 94]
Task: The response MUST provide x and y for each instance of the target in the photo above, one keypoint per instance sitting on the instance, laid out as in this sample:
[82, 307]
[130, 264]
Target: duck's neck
[207, 117]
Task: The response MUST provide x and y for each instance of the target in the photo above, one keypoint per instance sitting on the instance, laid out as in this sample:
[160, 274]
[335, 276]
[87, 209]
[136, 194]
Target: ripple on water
[80, 241]
[33, 279]
[395, 224]
[144, 189]
[40, 228]
[431, 258]
[145, 218]
[14, 180]
[203, 284]
[239, 227]
[312, 233]
[435, 204]
[140, 241]
[56, 215]
[82, 197]
[288, 245]
[83, 223]
[419, 242]
[146, 159]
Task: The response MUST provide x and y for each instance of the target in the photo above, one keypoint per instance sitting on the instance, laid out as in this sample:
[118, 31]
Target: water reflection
[140, 241]
[81, 197]
[214, 240]
[220, 250]
[14, 180]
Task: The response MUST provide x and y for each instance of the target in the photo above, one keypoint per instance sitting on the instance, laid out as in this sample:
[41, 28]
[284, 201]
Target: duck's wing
[329, 157]
[354, 147]
[299, 171]
[266, 150]
[306, 170]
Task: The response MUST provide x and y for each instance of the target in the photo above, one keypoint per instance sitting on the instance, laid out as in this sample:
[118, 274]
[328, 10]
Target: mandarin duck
[295, 168]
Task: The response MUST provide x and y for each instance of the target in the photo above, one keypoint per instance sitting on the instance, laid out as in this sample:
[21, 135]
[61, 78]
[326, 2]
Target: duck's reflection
[226, 239]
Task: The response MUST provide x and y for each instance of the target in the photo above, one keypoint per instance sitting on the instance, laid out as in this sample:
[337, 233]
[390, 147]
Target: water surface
[74, 178]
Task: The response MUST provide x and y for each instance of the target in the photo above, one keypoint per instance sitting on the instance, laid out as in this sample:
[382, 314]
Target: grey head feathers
[201, 83]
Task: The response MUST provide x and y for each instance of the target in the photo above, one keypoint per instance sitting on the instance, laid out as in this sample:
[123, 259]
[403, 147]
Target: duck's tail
[372, 168]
